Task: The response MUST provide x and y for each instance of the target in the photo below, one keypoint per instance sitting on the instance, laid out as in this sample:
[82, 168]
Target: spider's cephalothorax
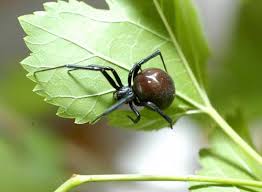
[152, 87]
[123, 92]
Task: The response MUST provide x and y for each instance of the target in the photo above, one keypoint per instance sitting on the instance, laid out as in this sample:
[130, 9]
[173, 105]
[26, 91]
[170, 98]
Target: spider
[152, 87]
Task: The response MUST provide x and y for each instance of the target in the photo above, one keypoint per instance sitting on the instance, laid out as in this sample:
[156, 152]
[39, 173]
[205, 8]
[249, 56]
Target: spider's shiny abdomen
[156, 86]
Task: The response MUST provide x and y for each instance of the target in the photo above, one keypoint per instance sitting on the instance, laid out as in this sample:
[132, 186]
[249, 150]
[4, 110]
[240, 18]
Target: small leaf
[75, 33]
[225, 159]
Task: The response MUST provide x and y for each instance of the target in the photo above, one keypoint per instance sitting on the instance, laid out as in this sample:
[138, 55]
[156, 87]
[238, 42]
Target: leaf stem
[77, 180]
[179, 50]
[233, 135]
[209, 109]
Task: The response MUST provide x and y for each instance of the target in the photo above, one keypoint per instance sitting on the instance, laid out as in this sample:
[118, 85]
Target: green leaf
[32, 159]
[238, 121]
[225, 159]
[150, 120]
[183, 20]
[75, 33]
[14, 82]
[239, 71]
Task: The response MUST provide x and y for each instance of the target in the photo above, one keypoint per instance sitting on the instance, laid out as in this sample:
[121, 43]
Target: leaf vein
[85, 96]
[81, 46]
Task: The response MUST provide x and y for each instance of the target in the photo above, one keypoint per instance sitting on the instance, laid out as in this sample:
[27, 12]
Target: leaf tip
[21, 18]
[49, 5]
[81, 121]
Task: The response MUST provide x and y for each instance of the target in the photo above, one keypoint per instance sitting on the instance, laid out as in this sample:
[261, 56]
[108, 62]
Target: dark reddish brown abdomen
[154, 85]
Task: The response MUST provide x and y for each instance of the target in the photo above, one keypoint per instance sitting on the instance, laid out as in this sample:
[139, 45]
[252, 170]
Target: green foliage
[75, 33]
[31, 159]
[239, 74]
[183, 20]
[238, 121]
[225, 159]
[149, 121]
[14, 83]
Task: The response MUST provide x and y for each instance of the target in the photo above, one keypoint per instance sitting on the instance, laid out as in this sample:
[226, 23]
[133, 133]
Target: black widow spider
[152, 87]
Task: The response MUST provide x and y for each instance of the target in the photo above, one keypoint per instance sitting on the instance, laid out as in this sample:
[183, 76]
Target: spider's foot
[171, 122]
[70, 70]
[134, 120]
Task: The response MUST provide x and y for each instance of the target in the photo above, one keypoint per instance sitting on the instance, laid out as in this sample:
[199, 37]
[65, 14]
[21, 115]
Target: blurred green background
[39, 150]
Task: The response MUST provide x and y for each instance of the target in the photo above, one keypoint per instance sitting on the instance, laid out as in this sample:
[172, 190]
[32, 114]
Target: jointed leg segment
[115, 106]
[133, 72]
[117, 84]
[155, 108]
[137, 113]
[102, 69]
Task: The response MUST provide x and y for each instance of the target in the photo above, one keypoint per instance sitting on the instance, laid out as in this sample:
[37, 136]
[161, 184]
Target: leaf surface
[225, 159]
[183, 20]
[32, 158]
[75, 33]
[239, 71]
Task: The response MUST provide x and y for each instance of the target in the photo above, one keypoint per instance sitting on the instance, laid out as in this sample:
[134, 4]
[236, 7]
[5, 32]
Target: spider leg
[131, 105]
[115, 106]
[133, 72]
[102, 69]
[153, 55]
[155, 108]
[48, 69]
